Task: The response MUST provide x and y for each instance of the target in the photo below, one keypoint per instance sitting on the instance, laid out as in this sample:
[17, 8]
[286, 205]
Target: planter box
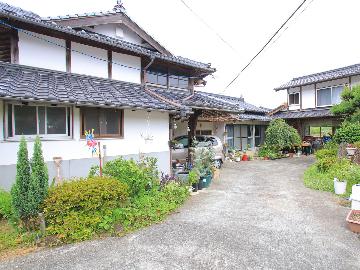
[350, 151]
[354, 225]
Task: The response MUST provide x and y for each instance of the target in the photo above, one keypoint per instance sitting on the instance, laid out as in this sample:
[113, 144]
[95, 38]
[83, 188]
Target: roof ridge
[327, 71]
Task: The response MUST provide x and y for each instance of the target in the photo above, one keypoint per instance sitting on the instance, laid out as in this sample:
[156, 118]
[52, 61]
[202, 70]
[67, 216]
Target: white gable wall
[308, 96]
[35, 51]
[123, 73]
[83, 64]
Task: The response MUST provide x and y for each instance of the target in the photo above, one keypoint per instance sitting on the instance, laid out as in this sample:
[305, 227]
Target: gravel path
[258, 216]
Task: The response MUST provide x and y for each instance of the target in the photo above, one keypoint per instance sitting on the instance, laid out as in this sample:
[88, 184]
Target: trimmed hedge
[77, 210]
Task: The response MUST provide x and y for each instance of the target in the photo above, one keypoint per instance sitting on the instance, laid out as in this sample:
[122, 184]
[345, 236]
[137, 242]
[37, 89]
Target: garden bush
[77, 210]
[6, 210]
[140, 177]
[348, 132]
[280, 135]
[152, 207]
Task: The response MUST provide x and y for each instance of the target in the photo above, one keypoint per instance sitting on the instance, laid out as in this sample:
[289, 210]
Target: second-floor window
[294, 99]
[161, 77]
[329, 96]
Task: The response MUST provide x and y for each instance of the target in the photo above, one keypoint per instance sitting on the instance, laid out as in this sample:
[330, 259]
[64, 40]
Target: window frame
[103, 136]
[68, 129]
[293, 94]
[331, 95]
[168, 77]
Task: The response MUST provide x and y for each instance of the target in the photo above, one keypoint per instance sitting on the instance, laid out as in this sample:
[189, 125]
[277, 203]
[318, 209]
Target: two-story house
[63, 76]
[310, 98]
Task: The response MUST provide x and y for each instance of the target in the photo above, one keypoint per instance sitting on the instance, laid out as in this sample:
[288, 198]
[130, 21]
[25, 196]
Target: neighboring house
[62, 76]
[311, 97]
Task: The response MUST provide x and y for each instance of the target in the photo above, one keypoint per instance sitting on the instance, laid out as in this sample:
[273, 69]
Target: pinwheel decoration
[90, 141]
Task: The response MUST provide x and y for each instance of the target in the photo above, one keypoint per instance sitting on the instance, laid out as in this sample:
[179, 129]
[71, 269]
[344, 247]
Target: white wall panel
[122, 73]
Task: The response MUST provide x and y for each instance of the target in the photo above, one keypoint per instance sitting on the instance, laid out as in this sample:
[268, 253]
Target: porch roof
[216, 116]
[28, 84]
[209, 101]
[313, 113]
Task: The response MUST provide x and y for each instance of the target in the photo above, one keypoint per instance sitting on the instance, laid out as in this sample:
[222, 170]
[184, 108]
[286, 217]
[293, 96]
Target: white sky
[324, 36]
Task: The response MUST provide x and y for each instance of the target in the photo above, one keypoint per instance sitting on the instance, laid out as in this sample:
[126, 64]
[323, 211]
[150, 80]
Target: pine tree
[39, 175]
[19, 192]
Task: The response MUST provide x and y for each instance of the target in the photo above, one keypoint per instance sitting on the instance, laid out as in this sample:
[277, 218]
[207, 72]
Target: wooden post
[100, 160]
[193, 119]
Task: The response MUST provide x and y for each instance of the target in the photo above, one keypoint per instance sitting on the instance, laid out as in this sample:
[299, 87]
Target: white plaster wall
[355, 80]
[39, 53]
[308, 96]
[135, 123]
[123, 73]
[332, 83]
[110, 30]
[83, 64]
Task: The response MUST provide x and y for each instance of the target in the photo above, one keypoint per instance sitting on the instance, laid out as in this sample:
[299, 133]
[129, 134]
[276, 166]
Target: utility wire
[208, 26]
[263, 48]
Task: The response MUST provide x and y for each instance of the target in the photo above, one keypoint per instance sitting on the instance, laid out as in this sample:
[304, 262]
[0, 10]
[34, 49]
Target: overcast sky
[324, 36]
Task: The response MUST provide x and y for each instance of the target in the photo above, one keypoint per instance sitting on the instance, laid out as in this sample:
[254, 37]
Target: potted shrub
[237, 156]
[339, 186]
[193, 179]
[341, 175]
[353, 220]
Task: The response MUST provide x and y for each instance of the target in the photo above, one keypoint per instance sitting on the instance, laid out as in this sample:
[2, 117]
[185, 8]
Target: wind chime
[147, 136]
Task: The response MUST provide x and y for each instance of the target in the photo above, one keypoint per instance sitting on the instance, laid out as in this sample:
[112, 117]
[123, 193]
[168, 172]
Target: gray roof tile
[322, 76]
[29, 83]
[314, 113]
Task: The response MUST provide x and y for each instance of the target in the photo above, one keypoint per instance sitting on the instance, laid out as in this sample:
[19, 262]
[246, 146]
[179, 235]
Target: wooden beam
[192, 123]
[68, 56]
[14, 44]
[109, 55]
[301, 93]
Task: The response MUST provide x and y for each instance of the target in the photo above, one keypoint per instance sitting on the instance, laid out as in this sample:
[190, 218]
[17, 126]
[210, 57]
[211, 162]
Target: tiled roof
[32, 18]
[248, 116]
[34, 84]
[314, 113]
[220, 116]
[209, 101]
[322, 76]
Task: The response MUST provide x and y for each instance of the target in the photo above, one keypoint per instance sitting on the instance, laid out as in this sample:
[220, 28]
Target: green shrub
[152, 207]
[325, 163]
[326, 153]
[76, 210]
[6, 210]
[22, 191]
[138, 176]
[348, 132]
[280, 135]
[317, 180]
[39, 174]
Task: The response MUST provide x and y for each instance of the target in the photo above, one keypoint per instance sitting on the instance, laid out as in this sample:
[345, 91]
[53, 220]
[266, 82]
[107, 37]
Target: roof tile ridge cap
[278, 109]
[326, 71]
[156, 95]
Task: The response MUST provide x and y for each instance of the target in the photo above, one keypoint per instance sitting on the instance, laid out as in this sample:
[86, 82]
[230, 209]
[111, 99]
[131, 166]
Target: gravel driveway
[258, 216]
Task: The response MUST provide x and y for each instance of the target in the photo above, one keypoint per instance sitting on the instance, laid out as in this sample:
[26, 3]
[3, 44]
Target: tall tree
[39, 175]
[20, 190]
[349, 108]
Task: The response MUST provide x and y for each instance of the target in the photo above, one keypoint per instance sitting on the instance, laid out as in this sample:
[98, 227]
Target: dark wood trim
[109, 55]
[315, 92]
[5, 123]
[301, 92]
[14, 44]
[68, 56]
[72, 122]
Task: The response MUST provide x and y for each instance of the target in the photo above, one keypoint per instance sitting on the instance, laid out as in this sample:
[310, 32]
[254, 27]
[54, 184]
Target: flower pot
[291, 155]
[339, 187]
[350, 151]
[353, 220]
[237, 159]
[266, 158]
[245, 157]
[195, 187]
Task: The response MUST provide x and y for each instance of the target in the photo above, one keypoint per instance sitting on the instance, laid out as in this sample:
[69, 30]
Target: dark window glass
[56, 120]
[10, 126]
[105, 122]
[294, 99]
[41, 119]
[68, 121]
[91, 120]
[297, 98]
[173, 81]
[183, 82]
[25, 120]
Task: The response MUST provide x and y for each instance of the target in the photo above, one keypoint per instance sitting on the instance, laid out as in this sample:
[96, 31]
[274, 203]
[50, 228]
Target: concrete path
[259, 216]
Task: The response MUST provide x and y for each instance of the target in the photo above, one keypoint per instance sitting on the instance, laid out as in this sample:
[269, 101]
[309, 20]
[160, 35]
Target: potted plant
[353, 220]
[193, 179]
[237, 156]
[340, 181]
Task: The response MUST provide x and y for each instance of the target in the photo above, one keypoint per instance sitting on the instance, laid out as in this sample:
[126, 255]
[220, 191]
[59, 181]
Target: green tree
[20, 191]
[349, 108]
[39, 175]
[349, 132]
[280, 135]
